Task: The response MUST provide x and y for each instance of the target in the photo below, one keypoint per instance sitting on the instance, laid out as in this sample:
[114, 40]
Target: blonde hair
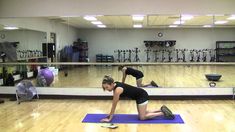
[107, 80]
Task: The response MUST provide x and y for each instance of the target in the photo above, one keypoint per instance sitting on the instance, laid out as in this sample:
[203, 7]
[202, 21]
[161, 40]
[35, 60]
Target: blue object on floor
[131, 118]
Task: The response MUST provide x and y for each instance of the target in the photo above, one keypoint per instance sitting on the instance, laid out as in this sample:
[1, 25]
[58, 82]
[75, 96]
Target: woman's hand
[105, 120]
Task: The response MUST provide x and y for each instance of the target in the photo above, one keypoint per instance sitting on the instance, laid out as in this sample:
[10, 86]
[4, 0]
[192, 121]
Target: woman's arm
[116, 96]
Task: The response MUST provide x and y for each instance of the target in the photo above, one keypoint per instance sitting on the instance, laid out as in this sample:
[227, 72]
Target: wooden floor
[164, 75]
[66, 116]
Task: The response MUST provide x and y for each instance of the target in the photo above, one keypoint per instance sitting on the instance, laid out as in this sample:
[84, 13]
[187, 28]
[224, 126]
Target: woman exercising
[135, 73]
[140, 95]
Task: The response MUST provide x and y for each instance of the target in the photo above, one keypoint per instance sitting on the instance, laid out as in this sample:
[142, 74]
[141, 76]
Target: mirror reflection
[75, 76]
[158, 39]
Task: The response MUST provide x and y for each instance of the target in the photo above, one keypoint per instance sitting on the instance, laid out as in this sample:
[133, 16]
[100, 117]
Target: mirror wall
[180, 48]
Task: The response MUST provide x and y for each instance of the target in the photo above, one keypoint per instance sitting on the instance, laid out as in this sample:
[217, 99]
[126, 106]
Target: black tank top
[133, 72]
[131, 91]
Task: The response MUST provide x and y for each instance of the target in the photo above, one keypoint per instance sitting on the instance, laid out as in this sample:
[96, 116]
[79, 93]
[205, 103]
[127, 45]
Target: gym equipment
[131, 118]
[192, 59]
[147, 54]
[166, 43]
[10, 81]
[4, 70]
[99, 58]
[45, 77]
[198, 55]
[136, 51]
[25, 91]
[183, 54]
[109, 58]
[212, 84]
[163, 55]
[169, 55]
[28, 53]
[204, 55]
[119, 55]
[213, 77]
[124, 55]
[156, 55]
[212, 55]
[129, 55]
[177, 55]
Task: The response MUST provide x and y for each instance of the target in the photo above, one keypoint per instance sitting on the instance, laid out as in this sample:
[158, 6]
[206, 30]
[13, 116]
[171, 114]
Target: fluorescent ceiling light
[101, 26]
[138, 17]
[97, 22]
[221, 22]
[186, 17]
[218, 14]
[11, 28]
[137, 26]
[207, 26]
[173, 26]
[179, 22]
[90, 18]
[68, 16]
[232, 17]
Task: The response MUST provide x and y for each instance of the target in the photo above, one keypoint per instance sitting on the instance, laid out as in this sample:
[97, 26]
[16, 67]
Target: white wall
[29, 40]
[32, 8]
[66, 35]
[105, 41]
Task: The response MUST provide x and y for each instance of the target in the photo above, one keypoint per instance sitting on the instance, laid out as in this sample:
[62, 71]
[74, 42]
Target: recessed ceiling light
[207, 26]
[186, 17]
[97, 22]
[11, 28]
[138, 17]
[179, 22]
[221, 22]
[137, 26]
[101, 26]
[90, 18]
[173, 26]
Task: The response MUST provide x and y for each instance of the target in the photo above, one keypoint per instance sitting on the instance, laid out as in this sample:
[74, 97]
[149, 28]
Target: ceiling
[150, 21]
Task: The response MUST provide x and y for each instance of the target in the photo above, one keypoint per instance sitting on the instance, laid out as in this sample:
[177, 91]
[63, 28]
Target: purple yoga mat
[131, 118]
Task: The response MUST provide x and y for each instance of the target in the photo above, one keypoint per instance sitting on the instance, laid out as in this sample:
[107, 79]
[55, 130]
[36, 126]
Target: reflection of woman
[140, 95]
[135, 73]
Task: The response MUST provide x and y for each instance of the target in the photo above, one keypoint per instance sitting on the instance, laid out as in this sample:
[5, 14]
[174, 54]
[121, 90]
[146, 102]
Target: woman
[135, 73]
[140, 95]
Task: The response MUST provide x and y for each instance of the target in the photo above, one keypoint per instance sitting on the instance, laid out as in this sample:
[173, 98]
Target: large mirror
[180, 48]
